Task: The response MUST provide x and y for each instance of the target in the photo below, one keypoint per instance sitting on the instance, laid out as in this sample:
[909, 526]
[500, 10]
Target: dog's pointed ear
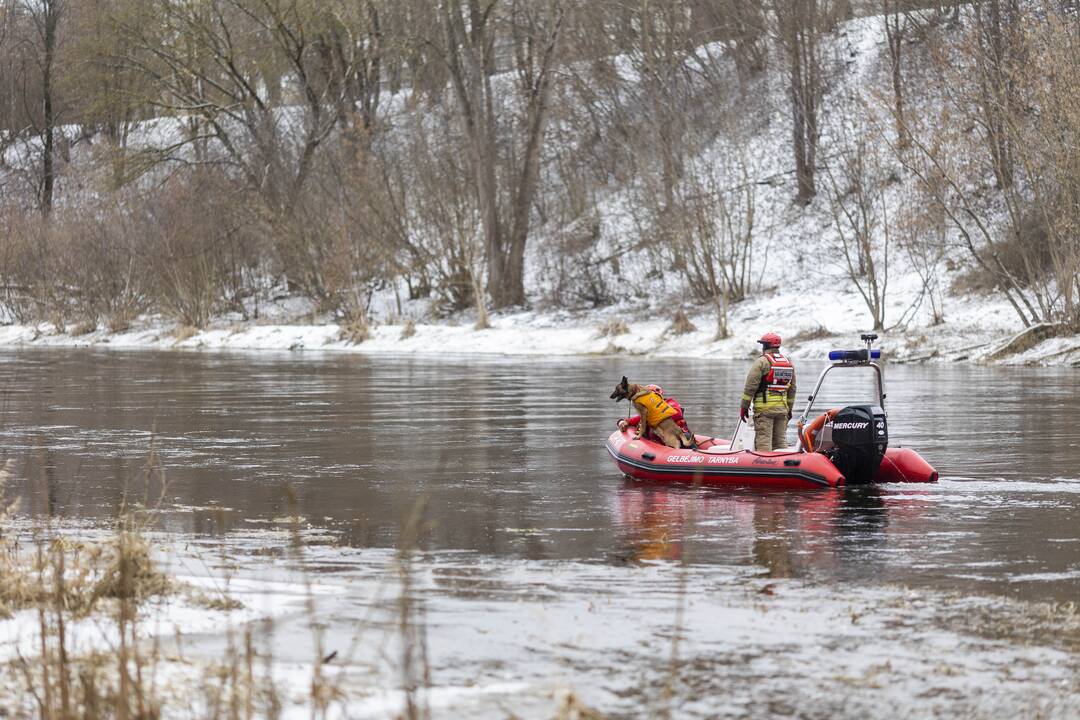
[622, 390]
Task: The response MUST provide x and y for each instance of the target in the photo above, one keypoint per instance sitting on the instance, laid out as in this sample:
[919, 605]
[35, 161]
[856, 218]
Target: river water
[541, 568]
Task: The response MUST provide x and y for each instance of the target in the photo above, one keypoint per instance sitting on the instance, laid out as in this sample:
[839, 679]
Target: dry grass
[119, 324]
[219, 602]
[613, 328]
[819, 333]
[355, 329]
[120, 569]
[569, 707]
[84, 328]
[408, 330]
[63, 581]
[185, 332]
[973, 282]
[129, 573]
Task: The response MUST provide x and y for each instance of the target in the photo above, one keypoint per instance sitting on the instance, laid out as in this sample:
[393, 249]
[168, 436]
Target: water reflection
[654, 521]
[772, 538]
[864, 512]
[786, 534]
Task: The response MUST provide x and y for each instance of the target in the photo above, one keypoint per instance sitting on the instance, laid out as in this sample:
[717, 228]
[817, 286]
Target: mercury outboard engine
[860, 434]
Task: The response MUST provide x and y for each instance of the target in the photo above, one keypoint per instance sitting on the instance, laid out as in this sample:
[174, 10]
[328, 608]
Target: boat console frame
[854, 358]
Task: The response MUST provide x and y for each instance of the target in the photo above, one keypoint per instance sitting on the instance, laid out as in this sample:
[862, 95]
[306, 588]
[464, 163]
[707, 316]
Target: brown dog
[656, 414]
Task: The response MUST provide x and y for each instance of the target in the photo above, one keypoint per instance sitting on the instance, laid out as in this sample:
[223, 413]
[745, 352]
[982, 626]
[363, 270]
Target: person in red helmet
[770, 387]
[677, 417]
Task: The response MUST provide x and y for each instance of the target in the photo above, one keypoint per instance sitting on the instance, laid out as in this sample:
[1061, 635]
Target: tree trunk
[804, 171]
[723, 332]
[470, 58]
[799, 21]
[894, 33]
[998, 86]
[482, 322]
[50, 17]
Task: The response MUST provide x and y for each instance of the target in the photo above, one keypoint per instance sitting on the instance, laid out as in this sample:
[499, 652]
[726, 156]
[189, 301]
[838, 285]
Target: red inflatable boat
[843, 446]
[715, 464]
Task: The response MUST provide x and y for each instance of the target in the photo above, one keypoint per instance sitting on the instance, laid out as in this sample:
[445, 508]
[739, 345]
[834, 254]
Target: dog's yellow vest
[656, 409]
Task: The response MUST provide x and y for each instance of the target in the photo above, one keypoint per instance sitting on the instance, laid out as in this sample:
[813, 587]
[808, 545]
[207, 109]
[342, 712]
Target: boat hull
[717, 466]
[904, 465]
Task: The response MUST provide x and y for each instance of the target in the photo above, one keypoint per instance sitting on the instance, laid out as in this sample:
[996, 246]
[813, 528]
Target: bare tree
[716, 237]
[112, 98]
[7, 84]
[921, 230]
[1046, 136]
[35, 26]
[47, 15]
[664, 44]
[417, 202]
[1012, 88]
[895, 18]
[800, 27]
[996, 64]
[504, 150]
[939, 162]
[743, 26]
[860, 218]
[200, 58]
[285, 31]
[355, 49]
[707, 231]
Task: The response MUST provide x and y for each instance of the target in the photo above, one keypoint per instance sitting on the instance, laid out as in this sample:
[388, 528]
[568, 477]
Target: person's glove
[789, 414]
[744, 411]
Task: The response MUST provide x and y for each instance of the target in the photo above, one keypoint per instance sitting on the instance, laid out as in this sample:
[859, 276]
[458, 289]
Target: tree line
[191, 157]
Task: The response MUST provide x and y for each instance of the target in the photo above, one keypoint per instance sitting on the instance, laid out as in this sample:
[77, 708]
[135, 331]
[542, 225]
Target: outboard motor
[860, 434]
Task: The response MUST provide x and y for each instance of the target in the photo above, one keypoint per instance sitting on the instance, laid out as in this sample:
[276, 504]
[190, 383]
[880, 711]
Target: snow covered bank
[811, 324]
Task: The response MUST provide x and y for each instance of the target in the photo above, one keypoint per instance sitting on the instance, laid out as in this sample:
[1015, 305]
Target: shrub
[355, 329]
[613, 328]
[84, 328]
[680, 324]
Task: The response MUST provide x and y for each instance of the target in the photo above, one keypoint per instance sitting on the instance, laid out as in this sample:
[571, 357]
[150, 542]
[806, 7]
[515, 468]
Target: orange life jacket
[656, 408]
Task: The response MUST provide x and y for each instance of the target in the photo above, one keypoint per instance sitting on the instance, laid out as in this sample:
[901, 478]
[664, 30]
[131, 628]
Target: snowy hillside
[801, 284]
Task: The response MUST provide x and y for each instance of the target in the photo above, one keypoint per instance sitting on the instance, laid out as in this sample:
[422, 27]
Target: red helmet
[770, 339]
[656, 389]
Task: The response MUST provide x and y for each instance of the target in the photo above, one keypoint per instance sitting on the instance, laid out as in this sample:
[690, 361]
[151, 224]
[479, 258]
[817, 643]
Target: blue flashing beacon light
[855, 355]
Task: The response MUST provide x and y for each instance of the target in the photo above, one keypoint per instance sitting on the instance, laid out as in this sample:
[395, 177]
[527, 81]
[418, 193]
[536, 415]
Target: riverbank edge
[532, 334]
